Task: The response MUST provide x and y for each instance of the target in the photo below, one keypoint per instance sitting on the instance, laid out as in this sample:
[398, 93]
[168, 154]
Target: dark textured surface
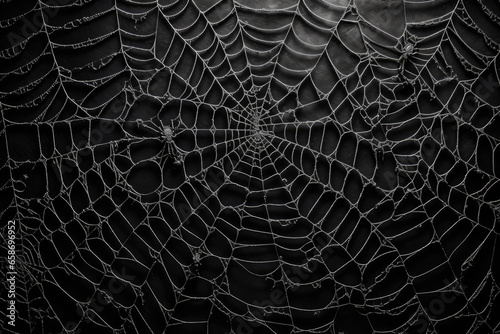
[252, 166]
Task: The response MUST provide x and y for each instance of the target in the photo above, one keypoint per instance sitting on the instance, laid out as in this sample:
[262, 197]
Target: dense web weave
[251, 166]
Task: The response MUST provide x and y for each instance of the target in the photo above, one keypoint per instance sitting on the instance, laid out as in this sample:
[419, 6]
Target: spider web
[252, 166]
